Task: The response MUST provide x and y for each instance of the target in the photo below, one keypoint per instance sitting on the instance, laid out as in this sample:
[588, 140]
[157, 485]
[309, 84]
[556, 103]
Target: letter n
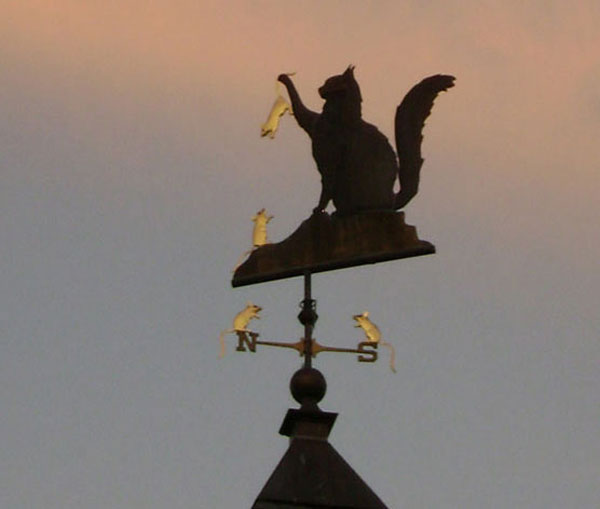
[243, 339]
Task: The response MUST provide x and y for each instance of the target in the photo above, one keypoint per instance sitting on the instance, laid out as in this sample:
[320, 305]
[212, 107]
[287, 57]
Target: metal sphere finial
[308, 385]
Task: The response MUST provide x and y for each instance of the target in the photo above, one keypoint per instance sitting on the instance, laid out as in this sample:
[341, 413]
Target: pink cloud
[526, 73]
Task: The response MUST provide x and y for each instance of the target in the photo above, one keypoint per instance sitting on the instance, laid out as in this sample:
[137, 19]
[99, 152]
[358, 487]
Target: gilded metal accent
[279, 108]
[259, 234]
[244, 341]
[373, 335]
[240, 323]
[247, 340]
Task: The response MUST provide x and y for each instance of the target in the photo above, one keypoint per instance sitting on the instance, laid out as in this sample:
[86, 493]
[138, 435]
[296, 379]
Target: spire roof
[312, 474]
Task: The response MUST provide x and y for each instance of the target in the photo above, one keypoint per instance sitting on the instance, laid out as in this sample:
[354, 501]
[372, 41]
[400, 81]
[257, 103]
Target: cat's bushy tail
[410, 120]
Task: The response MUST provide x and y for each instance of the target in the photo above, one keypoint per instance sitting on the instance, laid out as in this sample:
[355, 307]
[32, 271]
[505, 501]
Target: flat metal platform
[323, 243]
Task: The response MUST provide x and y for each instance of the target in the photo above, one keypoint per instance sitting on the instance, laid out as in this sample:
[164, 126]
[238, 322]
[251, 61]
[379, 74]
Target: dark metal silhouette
[358, 170]
[308, 347]
[312, 474]
[357, 164]
[323, 243]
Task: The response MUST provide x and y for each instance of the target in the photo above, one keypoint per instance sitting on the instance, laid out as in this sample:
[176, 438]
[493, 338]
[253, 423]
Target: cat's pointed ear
[349, 71]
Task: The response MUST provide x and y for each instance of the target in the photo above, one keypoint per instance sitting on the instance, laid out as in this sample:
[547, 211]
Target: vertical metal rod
[308, 317]
[309, 324]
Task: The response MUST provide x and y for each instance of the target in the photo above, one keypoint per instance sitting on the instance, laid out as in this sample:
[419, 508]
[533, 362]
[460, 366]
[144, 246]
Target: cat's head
[342, 84]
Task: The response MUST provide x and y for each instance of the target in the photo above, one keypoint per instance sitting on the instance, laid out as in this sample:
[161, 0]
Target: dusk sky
[131, 164]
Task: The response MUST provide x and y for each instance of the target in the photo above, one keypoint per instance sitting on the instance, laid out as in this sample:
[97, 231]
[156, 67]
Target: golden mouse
[373, 335]
[240, 323]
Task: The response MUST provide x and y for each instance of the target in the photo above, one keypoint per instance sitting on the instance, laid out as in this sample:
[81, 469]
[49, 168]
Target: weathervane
[358, 170]
[247, 339]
